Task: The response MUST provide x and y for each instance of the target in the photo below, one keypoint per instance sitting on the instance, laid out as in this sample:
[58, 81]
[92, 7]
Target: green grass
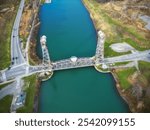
[6, 24]
[123, 77]
[131, 30]
[124, 34]
[5, 104]
[121, 63]
[5, 48]
[4, 85]
[117, 31]
[29, 88]
[42, 1]
[102, 70]
[145, 69]
[109, 52]
[134, 44]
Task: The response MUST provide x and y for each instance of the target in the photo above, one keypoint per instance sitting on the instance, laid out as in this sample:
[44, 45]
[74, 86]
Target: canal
[70, 32]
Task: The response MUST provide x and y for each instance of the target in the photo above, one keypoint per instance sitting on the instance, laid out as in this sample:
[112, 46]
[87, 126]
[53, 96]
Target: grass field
[6, 24]
[4, 85]
[5, 104]
[145, 70]
[29, 88]
[115, 30]
[108, 18]
[123, 77]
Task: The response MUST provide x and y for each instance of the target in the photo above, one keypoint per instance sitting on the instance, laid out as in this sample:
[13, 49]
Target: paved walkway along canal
[70, 32]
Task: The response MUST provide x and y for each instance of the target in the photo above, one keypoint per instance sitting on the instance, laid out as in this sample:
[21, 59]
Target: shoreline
[112, 73]
[33, 57]
[36, 58]
[123, 96]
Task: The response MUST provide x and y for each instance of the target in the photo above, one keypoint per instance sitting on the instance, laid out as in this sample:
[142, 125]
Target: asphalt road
[16, 54]
[8, 90]
[20, 68]
[143, 56]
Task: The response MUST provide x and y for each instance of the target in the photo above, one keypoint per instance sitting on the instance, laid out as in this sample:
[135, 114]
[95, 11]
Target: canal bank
[71, 32]
[117, 83]
[106, 21]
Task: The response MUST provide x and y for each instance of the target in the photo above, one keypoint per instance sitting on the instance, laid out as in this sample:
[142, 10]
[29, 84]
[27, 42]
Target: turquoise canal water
[70, 32]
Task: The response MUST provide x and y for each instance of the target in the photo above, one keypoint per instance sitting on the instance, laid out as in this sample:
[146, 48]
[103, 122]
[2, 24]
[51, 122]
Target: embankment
[128, 99]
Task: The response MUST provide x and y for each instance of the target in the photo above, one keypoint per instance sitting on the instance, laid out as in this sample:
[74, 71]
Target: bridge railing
[99, 55]
[67, 64]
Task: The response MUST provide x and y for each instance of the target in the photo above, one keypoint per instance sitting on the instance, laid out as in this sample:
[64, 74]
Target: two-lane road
[137, 56]
[16, 54]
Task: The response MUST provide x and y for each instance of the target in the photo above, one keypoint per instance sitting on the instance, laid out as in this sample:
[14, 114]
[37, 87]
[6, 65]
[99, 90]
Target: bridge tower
[48, 1]
[46, 57]
[99, 55]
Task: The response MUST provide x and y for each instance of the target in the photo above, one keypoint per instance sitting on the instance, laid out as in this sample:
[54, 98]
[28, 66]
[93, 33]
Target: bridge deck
[68, 64]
